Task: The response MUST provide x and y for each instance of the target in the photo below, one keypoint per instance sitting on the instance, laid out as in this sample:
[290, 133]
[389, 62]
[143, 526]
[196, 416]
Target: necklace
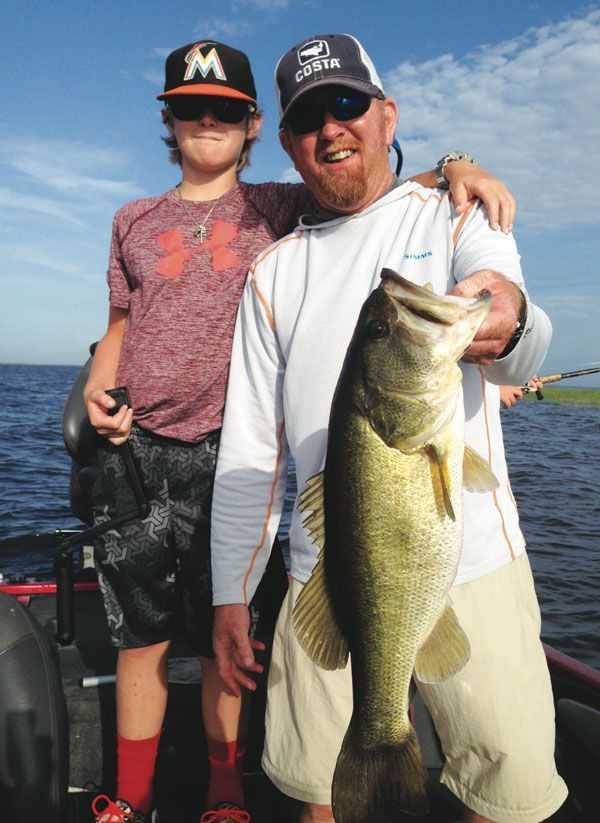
[200, 229]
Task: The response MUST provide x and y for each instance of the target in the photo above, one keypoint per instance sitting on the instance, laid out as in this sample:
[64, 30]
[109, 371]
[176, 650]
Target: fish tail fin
[378, 783]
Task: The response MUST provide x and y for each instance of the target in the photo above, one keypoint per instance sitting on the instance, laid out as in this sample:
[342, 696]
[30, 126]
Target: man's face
[344, 163]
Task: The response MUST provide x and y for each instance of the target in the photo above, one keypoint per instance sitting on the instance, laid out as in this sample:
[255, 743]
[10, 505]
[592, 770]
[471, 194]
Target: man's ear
[285, 143]
[390, 115]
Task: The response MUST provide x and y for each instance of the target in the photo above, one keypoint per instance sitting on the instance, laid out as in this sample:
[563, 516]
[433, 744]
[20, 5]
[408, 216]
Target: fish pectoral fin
[315, 625]
[440, 460]
[445, 652]
[477, 473]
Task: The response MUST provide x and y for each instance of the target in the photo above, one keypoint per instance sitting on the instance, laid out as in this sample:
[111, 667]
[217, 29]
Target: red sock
[225, 775]
[135, 771]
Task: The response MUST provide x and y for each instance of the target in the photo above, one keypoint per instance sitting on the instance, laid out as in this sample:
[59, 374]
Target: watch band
[518, 330]
[441, 164]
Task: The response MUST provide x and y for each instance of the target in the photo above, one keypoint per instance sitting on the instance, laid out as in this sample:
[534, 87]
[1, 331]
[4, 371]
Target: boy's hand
[468, 182]
[510, 395]
[116, 427]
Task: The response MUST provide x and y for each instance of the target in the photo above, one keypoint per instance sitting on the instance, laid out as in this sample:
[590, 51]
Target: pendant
[200, 232]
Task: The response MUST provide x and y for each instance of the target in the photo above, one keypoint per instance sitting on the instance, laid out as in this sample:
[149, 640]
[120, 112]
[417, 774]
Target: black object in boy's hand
[121, 398]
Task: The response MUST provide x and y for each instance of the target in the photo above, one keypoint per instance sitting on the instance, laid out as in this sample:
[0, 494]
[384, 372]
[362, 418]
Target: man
[295, 321]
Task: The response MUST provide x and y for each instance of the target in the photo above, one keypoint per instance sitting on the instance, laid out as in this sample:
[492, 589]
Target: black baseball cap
[208, 67]
[322, 60]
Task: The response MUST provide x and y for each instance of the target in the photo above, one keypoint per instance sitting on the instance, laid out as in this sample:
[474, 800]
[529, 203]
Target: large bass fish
[387, 514]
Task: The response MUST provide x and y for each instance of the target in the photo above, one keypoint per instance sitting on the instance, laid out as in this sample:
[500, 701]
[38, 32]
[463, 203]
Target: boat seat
[581, 722]
[34, 754]
[81, 441]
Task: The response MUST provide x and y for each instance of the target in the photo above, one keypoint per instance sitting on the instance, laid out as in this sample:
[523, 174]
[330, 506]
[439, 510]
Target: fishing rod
[554, 378]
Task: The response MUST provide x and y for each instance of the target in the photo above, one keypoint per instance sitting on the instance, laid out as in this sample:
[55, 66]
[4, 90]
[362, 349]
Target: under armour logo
[172, 265]
[221, 235]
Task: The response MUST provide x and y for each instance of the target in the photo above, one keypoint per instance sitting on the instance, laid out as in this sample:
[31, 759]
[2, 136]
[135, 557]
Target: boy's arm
[103, 375]
[467, 182]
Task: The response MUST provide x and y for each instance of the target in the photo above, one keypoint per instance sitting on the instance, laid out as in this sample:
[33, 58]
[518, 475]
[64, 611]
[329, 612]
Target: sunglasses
[344, 105]
[225, 109]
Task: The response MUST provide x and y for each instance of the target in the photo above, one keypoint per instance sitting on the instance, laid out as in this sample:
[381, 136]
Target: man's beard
[341, 191]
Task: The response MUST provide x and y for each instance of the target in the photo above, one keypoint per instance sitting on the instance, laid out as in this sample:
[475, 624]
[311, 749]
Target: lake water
[553, 455]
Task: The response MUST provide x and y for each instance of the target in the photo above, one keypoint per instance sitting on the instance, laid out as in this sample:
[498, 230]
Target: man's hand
[233, 647]
[500, 324]
[468, 182]
[115, 428]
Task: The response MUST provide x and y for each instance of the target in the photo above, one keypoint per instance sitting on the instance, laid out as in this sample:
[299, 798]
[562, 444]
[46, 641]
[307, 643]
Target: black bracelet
[519, 329]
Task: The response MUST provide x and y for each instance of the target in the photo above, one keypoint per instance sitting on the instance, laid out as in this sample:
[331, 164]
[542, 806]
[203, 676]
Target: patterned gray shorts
[155, 573]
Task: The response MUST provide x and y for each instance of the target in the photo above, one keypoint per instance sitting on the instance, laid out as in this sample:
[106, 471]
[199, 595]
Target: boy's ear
[164, 113]
[254, 126]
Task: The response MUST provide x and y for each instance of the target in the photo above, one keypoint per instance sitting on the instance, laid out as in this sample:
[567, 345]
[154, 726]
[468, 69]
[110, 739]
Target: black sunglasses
[225, 109]
[309, 115]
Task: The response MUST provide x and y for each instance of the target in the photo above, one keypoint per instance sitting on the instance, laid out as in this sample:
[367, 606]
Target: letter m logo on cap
[197, 61]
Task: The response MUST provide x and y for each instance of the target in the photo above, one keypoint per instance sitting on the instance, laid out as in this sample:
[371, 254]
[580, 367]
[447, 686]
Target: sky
[517, 84]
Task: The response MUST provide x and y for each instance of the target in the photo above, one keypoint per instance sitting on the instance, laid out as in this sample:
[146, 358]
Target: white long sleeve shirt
[296, 318]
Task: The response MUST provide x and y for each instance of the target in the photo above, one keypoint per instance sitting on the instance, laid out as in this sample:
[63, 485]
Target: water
[552, 454]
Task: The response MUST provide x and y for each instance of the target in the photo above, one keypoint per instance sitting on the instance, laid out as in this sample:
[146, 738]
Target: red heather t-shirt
[182, 296]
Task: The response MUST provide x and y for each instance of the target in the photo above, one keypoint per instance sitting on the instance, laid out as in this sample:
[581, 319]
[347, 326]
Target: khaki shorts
[495, 718]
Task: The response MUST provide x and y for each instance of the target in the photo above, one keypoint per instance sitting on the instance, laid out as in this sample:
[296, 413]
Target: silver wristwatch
[440, 167]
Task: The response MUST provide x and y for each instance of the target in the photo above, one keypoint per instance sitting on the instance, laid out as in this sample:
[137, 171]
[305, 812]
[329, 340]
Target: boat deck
[181, 769]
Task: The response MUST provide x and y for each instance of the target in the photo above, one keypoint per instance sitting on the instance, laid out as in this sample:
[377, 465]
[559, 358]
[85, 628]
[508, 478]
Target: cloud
[40, 205]
[156, 78]
[158, 52]
[263, 5]
[68, 167]
[578, 307]
[290, 175]
[529, 108]
[223, 28]
[40, 258]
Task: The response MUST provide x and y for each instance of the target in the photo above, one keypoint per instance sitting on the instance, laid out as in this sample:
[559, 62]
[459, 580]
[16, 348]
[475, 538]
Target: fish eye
[376, 329]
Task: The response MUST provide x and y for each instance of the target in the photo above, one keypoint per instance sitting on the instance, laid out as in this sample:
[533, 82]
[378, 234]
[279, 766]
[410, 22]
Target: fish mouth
[421, 301]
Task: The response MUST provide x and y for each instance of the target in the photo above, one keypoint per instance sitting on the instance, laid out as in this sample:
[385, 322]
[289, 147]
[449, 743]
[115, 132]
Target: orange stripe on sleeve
[264, 303]
[264, 531]
[424, 199]
[489, 441]
[461, 223]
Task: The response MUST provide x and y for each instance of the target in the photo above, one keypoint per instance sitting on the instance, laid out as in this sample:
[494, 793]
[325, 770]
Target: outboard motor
[81, 442]
[34, 740]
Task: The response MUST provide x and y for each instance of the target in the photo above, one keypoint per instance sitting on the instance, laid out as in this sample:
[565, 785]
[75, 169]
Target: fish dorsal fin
[477, 473]
[315, 625]
[312, 500]
[445, 652]
[439, 458]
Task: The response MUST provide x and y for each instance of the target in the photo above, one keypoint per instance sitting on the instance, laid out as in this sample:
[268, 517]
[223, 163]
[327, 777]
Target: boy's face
[209, 145]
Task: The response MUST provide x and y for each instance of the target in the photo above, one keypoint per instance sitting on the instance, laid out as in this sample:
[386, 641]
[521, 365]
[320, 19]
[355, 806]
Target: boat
[57, 695]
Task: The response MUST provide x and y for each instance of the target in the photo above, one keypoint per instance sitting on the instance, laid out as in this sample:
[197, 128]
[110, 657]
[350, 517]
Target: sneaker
[118, 811]
[226, 813]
